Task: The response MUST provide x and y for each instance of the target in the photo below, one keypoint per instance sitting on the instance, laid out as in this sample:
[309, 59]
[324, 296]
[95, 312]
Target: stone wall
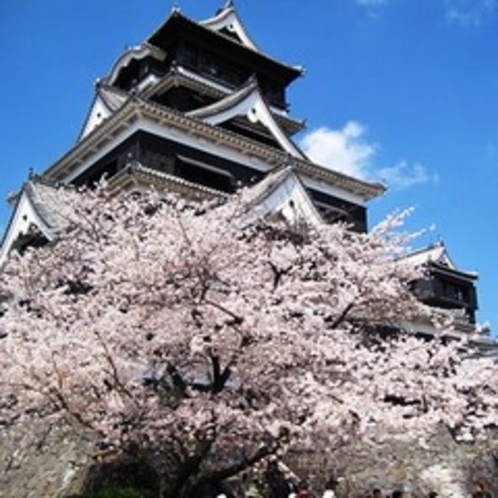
[36, 462]
[440, 464]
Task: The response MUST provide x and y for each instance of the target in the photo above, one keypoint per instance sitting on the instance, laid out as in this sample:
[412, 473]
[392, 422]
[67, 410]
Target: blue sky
[400, 90]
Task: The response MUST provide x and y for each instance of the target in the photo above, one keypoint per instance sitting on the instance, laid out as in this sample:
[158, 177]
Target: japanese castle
[199, 109]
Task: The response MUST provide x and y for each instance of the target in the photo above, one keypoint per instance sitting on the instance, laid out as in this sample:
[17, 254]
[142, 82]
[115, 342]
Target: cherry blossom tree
[204, 343]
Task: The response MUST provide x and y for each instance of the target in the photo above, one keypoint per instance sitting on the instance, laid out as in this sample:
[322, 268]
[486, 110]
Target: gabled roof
[106, 101]
[227, 19]
[247, 102]
[39, 209]
[437, 255]
[281, 191]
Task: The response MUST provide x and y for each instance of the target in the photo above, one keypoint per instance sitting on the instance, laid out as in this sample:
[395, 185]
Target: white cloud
[343, 150]
[404, 175]
[470, 13]
[346, 150]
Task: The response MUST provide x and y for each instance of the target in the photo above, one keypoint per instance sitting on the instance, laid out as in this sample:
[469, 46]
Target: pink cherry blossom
[208, 342]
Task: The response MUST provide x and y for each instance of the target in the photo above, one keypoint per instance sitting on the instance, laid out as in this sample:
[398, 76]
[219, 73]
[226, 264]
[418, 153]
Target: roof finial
[175, 7]
[227, 5]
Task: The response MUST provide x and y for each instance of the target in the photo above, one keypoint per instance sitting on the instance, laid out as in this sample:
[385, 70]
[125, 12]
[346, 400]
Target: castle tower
[198, 108]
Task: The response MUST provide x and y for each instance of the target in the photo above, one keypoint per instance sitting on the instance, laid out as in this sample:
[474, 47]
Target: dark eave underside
[451, 272]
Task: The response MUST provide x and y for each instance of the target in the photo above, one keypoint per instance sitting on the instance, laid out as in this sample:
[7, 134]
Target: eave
[136, 109]
[137, 175]
[452, 272]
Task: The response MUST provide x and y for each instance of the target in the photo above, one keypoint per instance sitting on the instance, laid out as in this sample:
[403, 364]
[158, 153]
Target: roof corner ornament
[175, 8]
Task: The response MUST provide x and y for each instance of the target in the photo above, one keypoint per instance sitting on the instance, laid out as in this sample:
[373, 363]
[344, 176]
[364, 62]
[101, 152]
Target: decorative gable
[37, 213]
[281, 192]
[248, 103]
[134, 54]
[227, 21]
[435, 253]
[107, 100]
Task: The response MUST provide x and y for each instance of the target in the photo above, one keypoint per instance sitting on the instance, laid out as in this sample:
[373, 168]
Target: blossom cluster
[190, 334]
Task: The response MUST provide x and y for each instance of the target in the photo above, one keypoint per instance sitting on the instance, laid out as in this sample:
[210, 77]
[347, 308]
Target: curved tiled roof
[134, 53]
[48, 203]
[138, 174]
[181, 76]
[136, 108]
[249, 102]
[227, 102]
[40, 208]
[178, 21]
[437, 255]
[228, 19]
